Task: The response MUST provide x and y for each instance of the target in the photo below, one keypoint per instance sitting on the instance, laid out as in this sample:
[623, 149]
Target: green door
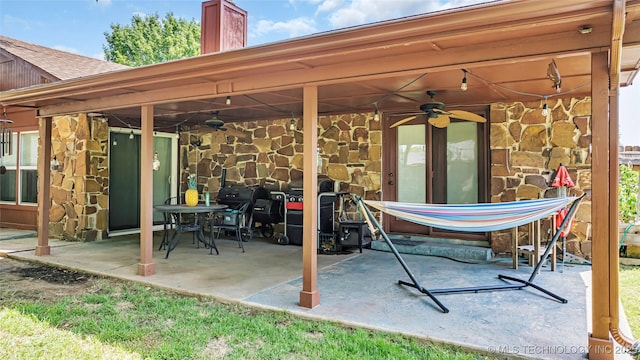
[124, 178]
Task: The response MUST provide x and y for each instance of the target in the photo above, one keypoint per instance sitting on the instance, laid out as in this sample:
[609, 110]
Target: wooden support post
[600, 343]
[44, 186]
[310, 296]
[146, 266]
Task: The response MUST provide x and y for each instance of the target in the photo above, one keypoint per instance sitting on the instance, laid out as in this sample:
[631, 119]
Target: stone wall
[268, 153]
[79, 188]
[527, 147]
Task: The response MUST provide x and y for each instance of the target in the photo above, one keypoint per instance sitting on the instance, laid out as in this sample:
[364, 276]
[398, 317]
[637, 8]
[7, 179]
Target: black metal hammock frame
[520, 283]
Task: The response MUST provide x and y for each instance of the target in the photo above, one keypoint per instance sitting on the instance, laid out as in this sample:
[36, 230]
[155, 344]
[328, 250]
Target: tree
[627, 195]
[150, 39]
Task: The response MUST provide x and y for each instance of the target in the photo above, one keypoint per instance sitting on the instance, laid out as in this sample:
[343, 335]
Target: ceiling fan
[438, 116]
[215, 123]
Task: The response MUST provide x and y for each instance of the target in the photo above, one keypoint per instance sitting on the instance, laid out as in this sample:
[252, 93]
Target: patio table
[196, 226]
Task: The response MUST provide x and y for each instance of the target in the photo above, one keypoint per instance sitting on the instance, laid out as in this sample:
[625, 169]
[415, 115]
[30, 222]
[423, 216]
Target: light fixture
[115, 141]
[177, 131]
[156, 162]
[131, 135]
[376, 113]
[545, 108]
[228, 101]
[292, 123]
[54, 165]
[585, 29]
[463, 85]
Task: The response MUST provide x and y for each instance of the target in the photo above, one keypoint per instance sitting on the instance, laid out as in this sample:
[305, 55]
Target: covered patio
[360, 290]
[505, 47]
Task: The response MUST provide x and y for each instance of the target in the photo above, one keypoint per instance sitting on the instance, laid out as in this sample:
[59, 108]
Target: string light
[463, 85]
[545, 107]
[131, 135]
[115, 141]
[228, 101]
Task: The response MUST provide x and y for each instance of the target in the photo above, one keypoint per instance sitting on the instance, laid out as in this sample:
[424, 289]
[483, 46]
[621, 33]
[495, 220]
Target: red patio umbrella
[562, 179]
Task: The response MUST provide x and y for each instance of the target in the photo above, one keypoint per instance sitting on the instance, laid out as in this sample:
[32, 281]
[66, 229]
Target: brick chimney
[223, 26]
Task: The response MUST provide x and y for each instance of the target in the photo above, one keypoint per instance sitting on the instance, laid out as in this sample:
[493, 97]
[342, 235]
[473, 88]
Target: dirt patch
[25, 280]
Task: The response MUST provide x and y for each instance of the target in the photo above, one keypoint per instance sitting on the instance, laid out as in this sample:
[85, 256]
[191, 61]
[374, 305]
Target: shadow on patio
[358, 289]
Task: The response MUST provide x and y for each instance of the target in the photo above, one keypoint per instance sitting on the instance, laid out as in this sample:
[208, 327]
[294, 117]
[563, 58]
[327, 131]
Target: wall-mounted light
[54, 164]
[376, 113]
[228, 101]
[463, 85]
[156, 162]
[545, 108]
[292, 123]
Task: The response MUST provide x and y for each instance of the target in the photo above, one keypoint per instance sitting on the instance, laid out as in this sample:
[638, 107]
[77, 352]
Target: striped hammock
[473, 217]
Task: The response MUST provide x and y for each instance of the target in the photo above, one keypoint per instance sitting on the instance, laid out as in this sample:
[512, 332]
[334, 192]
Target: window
[8, 179]
[22, 170]
[28, 168]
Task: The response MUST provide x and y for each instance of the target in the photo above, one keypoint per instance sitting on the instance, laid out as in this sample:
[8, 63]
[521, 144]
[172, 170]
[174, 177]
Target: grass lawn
[110, 319]
[630, 296]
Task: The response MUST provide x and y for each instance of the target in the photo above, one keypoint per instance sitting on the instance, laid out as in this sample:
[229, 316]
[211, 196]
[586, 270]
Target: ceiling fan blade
[402, 121]
[465, 115]
[440, 121]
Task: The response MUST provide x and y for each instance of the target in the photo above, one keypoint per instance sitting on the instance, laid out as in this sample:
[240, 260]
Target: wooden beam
[146, 266]
[310, 296]
[617, 32]
[44, 186]
[414, 62]
[600, 208]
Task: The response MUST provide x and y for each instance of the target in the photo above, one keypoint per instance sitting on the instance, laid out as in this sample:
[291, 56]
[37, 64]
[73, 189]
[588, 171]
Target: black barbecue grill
[262, 208]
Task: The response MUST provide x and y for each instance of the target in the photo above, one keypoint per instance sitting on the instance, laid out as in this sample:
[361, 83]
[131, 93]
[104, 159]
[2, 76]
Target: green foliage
[150, 39]
[627, 194]
[629, 280]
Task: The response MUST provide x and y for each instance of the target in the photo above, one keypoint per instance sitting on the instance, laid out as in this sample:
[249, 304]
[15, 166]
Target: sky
[78, 26]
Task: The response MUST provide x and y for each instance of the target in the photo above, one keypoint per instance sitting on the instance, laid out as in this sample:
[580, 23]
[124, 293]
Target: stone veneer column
[79, 188]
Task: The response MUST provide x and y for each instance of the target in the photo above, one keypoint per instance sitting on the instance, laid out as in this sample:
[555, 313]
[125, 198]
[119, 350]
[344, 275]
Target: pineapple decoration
[191, 195]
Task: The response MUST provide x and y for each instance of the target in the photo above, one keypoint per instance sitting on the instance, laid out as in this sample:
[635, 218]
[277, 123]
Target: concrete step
[8, 234]
[457, 249]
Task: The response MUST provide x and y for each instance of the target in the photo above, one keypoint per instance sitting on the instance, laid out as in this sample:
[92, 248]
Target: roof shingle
[61, 64]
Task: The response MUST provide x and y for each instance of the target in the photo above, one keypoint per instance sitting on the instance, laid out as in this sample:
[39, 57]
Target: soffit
[506, 45]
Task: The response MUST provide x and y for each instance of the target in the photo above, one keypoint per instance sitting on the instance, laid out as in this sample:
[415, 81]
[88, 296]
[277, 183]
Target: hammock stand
[370, 218]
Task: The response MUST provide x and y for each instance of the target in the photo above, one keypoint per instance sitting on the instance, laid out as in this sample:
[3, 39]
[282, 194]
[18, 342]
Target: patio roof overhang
[506, 45]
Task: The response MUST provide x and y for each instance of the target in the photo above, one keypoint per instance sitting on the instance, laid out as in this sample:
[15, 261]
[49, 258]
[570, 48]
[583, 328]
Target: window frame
[22, 167]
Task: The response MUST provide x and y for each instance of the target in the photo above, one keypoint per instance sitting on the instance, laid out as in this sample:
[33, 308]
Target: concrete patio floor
[358, 289]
